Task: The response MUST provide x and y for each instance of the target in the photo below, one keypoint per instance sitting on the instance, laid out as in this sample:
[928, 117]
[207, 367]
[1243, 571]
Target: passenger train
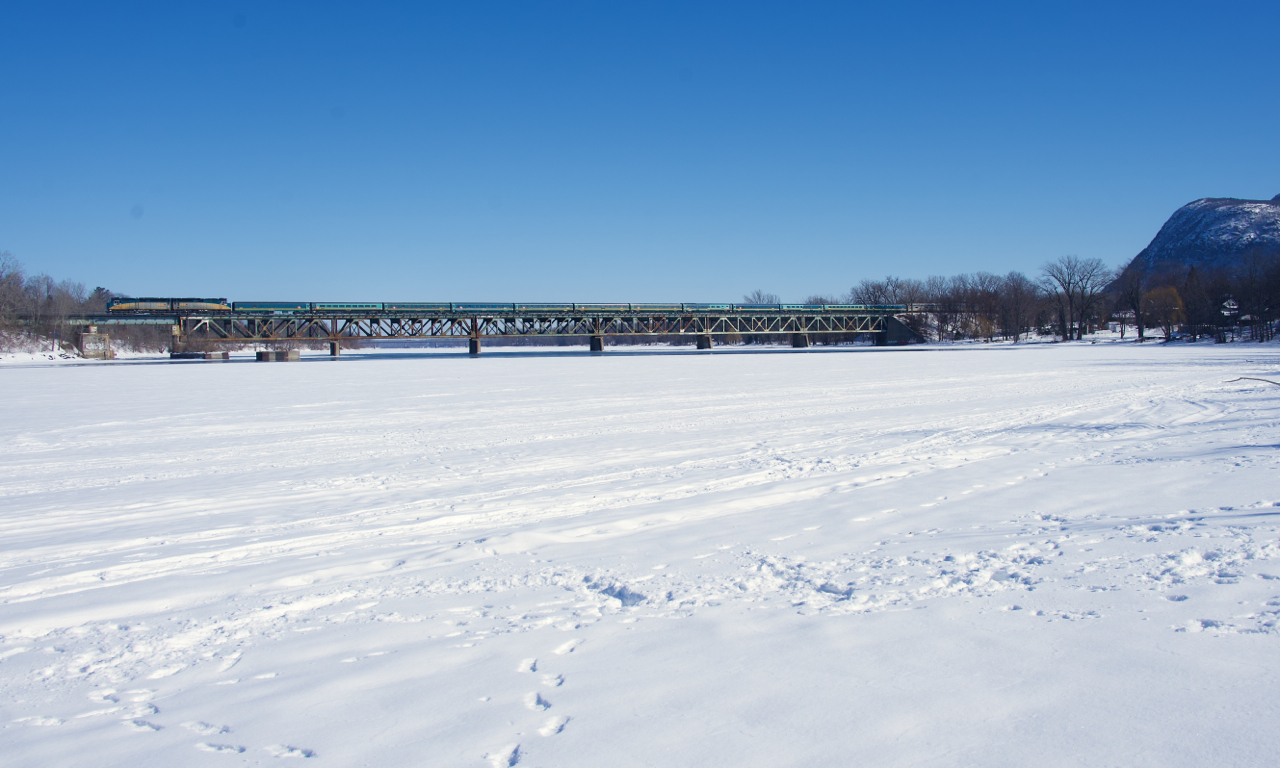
[215, 306]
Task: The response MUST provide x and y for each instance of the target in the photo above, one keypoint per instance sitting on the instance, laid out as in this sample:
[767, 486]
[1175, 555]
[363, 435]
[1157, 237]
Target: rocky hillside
[1214, 231]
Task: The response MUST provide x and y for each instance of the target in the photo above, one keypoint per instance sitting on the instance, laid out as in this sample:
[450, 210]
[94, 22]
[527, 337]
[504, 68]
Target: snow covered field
[997, 556]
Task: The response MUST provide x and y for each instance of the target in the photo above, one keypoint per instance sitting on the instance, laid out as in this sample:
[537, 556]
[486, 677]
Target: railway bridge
[214, 321]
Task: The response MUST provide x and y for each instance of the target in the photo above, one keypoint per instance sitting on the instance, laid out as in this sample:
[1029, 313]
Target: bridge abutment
[335, 349]
[704, 341]
[597, 344]
[800, 340]
[473, 345]
[897, 332]
[95, 346]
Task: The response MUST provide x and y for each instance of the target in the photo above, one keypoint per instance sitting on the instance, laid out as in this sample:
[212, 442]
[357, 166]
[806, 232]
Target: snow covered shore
[1045, 555]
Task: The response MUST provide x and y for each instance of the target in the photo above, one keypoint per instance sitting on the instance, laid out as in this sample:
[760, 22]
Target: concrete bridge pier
[597, 344]
[95, 346]
[704, 341]
[335, 349]
[800, 340]
[473, 343]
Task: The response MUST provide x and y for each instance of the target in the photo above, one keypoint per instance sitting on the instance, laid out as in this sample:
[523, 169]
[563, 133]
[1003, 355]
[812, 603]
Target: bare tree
[36, 298]
[63, 299]
[936, 291]
[982, 300]
[891, 290]
[12, 288]
[1060, 281]
[1131, 284]
[867, 292]
[1018, 299]
[1092, 278]
[760, 297]
[97, 301]
[1164, 306]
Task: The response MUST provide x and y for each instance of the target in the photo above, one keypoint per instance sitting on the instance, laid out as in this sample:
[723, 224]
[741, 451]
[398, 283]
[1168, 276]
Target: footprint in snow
[223, 749]
[505, 757]
[528, 665]
[282, 750]
[206, 729]
[568, 647]
[535, 702]
[142, 726]
[42, 721]
[553, 681]
[141, 710]
[553, 725]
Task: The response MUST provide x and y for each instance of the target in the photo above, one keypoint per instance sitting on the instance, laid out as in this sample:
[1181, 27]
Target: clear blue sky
[613, 151]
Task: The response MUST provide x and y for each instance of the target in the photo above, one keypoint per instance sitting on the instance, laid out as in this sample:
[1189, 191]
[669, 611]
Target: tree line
[1240, 300]
[1072, 297]
[44, 302]
[39, 306]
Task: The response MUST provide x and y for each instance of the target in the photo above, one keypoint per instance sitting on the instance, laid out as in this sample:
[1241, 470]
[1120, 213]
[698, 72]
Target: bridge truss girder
[250, 328]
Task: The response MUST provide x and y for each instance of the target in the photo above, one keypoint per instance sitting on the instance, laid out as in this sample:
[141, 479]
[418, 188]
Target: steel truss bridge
[475, 326]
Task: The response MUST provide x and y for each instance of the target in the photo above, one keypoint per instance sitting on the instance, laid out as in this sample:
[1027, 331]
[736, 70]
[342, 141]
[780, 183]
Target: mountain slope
[1214, 232]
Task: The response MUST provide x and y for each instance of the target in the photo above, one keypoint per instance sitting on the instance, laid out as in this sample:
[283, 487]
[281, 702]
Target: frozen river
[998, 556]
